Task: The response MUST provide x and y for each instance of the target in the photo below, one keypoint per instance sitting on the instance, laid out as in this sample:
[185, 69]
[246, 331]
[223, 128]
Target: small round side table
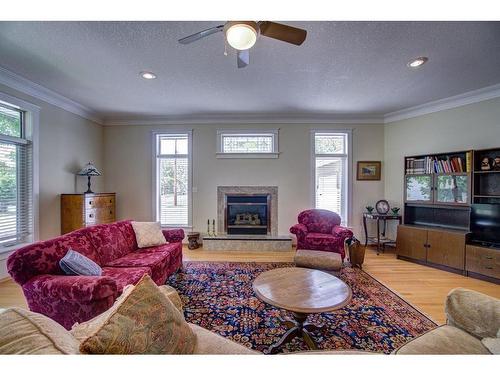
[193, 240]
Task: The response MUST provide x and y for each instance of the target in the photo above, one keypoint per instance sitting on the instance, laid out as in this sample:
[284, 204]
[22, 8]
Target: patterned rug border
[362, 270]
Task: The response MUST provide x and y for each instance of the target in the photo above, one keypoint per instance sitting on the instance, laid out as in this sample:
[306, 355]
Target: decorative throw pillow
[142, 321]
[26, 332]
[74, 263]
[148, 234]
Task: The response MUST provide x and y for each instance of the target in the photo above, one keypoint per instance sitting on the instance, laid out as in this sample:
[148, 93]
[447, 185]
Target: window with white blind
[16, 177]
[173, 179]
[247, 143]
[331, 175]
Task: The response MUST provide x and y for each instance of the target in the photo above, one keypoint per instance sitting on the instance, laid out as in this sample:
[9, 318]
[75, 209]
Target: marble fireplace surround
[223, 191]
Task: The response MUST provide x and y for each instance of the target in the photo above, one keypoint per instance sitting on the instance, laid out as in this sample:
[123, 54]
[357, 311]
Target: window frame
[347, 185]
[221, 154]
[156, 134]
[29, 133]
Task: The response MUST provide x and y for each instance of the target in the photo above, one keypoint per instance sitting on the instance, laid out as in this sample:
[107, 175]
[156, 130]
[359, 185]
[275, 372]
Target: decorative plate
[382, 207]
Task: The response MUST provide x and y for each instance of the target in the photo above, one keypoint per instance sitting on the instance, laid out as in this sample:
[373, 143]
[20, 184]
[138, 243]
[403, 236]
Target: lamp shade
[89, 170]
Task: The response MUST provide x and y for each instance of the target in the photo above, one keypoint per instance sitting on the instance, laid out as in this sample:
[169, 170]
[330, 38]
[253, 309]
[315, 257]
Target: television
[485, 224]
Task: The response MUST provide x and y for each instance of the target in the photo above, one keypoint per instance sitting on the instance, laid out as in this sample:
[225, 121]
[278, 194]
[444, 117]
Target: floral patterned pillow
[142, 321]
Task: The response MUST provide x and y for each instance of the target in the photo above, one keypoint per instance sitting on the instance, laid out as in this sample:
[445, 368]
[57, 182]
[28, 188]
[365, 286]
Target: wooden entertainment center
[439, 190]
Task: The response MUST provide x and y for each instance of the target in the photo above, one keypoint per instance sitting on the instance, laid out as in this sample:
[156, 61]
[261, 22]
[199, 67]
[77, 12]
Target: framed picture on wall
[369, 170]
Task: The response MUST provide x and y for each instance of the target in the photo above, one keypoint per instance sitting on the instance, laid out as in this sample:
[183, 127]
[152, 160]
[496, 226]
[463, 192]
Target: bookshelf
[437, 189]
[486, 187]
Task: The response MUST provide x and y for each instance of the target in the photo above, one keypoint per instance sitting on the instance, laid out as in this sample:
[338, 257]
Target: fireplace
[247, 210]
[247, 214]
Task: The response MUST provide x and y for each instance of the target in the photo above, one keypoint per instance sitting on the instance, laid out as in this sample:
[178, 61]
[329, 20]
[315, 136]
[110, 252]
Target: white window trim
[345, 221]
[248, 155]
[156, 181]
[32, 128]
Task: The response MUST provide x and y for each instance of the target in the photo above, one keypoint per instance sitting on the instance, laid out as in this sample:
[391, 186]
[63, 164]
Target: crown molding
[248, 118]
[470, 97]
[25, 86]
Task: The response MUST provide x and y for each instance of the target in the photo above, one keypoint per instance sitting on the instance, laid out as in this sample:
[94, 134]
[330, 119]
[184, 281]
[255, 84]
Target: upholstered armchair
[320, 230]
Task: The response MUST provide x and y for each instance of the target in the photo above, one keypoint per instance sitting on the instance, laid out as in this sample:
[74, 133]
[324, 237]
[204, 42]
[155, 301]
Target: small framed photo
[369, 170]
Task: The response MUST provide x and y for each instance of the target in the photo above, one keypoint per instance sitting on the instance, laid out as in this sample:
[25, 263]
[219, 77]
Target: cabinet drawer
[99, 216]
[483, 261]
[100, 202]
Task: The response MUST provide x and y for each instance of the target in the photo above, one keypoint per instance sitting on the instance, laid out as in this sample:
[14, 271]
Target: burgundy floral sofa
[320, 230]
[71, 299]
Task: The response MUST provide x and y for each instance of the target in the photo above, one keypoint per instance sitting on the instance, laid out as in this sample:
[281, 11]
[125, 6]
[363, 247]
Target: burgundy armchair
[320, 230]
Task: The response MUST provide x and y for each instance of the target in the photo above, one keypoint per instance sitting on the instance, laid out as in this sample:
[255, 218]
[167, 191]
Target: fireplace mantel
[223, 191]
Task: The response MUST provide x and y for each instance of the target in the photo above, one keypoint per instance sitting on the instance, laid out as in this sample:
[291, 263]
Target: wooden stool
[193, 240]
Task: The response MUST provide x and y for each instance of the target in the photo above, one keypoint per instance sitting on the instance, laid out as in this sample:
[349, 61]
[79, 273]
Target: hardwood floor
[423, 287]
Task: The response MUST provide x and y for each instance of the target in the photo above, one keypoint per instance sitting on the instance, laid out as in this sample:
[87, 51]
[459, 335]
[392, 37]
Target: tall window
[16, 177]
[173, 179]
[331, 172]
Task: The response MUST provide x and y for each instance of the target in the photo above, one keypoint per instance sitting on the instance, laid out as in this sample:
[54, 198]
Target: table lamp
[89, 170]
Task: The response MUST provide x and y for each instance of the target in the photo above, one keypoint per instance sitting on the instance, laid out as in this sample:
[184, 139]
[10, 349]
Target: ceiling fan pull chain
[225, 46]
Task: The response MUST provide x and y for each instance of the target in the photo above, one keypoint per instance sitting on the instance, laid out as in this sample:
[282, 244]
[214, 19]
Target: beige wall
[473, 126]
[128, 169]
[66, 143]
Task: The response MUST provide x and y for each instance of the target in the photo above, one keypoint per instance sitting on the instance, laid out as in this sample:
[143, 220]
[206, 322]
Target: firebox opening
[247, 214]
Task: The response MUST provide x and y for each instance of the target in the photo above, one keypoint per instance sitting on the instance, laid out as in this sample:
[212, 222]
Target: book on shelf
[439, 164]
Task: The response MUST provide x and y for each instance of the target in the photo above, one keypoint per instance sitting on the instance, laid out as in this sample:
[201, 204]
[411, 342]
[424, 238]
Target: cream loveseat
[472, 317]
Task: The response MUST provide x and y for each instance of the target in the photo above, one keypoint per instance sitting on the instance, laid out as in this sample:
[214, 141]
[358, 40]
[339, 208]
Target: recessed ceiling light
[148, 75]
[418, 62]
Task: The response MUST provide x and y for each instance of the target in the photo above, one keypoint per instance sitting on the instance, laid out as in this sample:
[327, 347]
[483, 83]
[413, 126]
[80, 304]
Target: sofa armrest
[72, 288]
[173, 235]
[342, 232]
[300, 230]
[473, 312]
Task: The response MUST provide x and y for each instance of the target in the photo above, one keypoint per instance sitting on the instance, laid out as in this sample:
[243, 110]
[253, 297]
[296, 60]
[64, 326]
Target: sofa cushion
[74, 263]
[42, 258]
[109, 242]
[26, 332]
[124, 276]
[492, 344]
[474, 312]
[444, 340]
[211, 343]
[142, 321]
[125, 227]
[163, 249]
[319, 221]
[157, 262]
[322, 239]
[148, 234]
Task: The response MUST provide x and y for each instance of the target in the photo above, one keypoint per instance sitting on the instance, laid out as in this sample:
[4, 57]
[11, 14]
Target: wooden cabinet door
[410, 242]
[446, 248]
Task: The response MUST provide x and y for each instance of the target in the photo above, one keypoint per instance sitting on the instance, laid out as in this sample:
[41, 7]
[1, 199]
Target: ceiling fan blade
[201, 34]
[282, 32]
[243, 58]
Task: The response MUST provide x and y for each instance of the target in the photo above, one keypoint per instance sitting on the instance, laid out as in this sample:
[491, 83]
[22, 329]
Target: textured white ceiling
[342, 67]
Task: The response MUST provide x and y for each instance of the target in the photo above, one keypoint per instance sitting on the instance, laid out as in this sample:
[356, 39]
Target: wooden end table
[301, 291]
[193, 240]
[376, 239]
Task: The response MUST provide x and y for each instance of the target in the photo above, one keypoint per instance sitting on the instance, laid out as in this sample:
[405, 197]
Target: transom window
[173, 179]
[330, 154]
[247, 143]
[16, 177]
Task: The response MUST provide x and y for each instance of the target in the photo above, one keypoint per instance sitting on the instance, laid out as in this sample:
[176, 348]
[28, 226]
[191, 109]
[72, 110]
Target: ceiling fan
[242, 35]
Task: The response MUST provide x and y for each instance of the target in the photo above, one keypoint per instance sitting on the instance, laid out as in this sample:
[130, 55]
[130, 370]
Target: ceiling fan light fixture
[241, 35]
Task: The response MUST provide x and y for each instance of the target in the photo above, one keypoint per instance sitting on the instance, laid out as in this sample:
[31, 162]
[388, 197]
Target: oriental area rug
[218, 296]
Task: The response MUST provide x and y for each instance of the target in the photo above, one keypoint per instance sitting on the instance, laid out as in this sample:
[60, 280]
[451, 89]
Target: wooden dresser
[83, 210]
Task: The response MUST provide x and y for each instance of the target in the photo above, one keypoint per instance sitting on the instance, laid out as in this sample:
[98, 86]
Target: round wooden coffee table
[301, 291]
